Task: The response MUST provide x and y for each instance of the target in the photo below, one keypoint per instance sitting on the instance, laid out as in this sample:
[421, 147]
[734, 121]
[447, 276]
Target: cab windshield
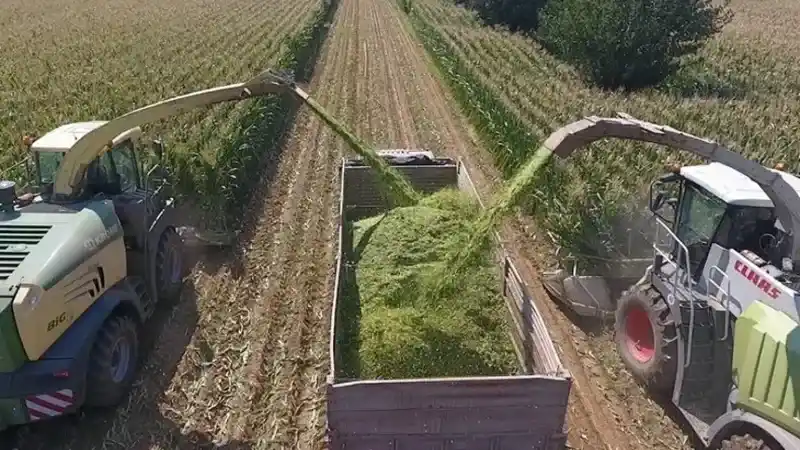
[698, 220]
[48, 163]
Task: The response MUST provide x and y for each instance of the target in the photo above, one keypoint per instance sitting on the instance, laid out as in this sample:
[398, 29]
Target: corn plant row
[118, 71]
[494, 70]
[214, 152]
[223, 185]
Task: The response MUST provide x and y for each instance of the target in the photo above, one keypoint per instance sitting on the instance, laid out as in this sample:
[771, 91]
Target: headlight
[28, 296]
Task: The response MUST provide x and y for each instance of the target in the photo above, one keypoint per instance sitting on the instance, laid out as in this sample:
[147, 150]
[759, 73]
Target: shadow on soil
[697, 80]
[597, 329]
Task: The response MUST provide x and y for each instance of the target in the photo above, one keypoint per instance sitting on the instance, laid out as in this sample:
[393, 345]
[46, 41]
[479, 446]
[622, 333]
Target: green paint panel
[12, 356]
[766, 365]
[12, 412]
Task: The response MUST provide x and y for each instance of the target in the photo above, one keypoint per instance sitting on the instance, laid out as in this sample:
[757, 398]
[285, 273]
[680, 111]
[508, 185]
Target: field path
[433, 123]
[240, 362]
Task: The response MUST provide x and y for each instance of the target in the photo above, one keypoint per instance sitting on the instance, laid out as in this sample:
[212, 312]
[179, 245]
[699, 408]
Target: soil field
[240, 362]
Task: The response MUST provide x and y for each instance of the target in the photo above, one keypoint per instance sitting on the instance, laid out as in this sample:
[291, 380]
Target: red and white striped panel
[49, 405]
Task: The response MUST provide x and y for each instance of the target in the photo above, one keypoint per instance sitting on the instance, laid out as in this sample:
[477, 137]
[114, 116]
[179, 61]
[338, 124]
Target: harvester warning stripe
[49, 405]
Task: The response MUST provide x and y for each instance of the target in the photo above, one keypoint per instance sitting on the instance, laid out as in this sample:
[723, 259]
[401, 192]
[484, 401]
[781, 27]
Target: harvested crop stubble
[401, 332]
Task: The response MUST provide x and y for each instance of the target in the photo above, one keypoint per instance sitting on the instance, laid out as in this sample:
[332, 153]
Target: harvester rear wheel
[169, 265]
[646, 337]
[746, 442]
[112, 362]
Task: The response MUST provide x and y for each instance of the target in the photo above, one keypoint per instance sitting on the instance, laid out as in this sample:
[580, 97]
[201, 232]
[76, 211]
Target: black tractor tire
[169, 266]
[646, 338]
[112, 362]
[744, 442]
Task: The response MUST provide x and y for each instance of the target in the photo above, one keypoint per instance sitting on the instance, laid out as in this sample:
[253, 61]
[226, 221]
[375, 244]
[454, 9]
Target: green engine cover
[766, 365]
[12, 412]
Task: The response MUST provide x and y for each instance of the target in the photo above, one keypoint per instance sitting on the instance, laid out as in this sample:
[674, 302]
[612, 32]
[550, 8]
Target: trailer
[526, 411]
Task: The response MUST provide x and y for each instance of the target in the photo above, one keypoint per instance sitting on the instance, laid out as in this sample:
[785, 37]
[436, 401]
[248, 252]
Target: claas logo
[757, 280]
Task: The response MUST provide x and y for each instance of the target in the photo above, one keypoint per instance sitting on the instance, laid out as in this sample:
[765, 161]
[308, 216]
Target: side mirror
[30, 168]
[657, 201]
[158, 148]
[660, 195]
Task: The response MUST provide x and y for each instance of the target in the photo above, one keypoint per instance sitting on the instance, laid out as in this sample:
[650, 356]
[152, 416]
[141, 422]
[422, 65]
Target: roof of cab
[64, 137]
[733, 187]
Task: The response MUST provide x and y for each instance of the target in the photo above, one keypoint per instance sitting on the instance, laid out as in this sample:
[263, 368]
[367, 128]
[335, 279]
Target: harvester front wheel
[169, 265]
[112, 362]
[646, 337]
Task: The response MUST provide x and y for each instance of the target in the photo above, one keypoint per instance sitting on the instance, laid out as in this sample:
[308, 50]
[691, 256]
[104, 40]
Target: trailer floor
[240, 362]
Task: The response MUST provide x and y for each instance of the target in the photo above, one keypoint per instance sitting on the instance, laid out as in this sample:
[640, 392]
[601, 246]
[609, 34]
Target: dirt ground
[240, 363]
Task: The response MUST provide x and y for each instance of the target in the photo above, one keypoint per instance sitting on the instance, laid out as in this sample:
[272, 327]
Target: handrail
[673, 279]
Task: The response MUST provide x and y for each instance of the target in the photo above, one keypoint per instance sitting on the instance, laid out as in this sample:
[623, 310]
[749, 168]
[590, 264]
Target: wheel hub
[174, 266]
[639, 336]
[120, 360]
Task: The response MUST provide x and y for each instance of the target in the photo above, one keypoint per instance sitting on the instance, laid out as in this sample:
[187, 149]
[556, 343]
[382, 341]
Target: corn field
[96, 60]
[739, 92]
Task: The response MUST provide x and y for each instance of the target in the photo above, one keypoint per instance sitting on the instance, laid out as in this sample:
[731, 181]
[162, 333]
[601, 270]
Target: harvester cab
[86, 258]
[126, 164]
[713, 321]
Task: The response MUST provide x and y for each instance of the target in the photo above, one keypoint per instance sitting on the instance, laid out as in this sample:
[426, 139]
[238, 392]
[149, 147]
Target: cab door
[124, 160]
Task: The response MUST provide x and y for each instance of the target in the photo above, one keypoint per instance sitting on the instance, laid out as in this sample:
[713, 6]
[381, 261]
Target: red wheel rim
[639, 334]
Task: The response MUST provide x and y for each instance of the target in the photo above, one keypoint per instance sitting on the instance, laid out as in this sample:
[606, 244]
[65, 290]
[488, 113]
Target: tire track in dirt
[280, 409]
[383, 109]
[407, 135]
[265, 369]
[266, 275]
[363, 94]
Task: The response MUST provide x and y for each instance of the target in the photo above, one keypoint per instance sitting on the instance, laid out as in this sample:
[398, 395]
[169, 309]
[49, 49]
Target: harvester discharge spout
[589, 295]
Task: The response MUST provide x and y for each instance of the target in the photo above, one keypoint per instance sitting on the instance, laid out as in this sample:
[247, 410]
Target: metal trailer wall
[497, 413]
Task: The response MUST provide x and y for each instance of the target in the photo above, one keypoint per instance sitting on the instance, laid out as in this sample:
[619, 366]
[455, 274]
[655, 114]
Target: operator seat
[100, 180]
